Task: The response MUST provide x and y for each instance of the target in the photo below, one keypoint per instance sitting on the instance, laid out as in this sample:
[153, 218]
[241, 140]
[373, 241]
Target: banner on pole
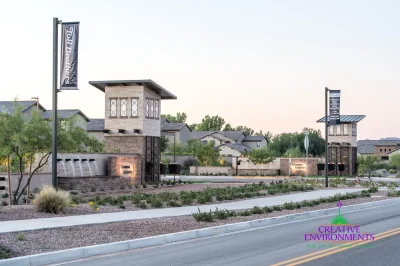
[69, 56]
[334, 107]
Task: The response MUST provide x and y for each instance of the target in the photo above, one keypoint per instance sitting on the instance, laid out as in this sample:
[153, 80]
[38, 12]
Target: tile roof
[173, 126]
[9, 106]
[253, 138]
[235, 135]
[366, 149]
[387, 143]
[95, 125]
[200, 134]
[346, 119]
[65, 113]
[238, 147]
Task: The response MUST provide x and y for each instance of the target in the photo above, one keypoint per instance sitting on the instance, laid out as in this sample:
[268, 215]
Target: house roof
[148, 83]
[164, 120]
[346, 119]
[65, 114]
[95, 125]
[9, 106]
[238, 147]
[396, 150]
[254, 138]
[233, 135]
[366, 149]
[387, 143]
[173, 126]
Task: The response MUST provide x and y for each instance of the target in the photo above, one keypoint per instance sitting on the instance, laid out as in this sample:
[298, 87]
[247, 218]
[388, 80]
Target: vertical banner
[69, 56]
[334, 107]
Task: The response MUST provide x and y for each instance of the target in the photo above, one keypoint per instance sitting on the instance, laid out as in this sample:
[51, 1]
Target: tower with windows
[132, 121]
[342, 144]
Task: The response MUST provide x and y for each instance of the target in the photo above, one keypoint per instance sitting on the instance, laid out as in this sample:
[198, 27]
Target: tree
[267, 135]
[228, 127]
[179, 118]
[211, 123]
[164, 143]
[205, 153]
[366, 163]
[193, 126]
[295, 152]
[22, 138]
[246, 130]
[395, 160]
[261, 156]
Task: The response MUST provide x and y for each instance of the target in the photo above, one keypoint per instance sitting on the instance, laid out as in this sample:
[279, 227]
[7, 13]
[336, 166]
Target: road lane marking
[341, 249]
[397, 230]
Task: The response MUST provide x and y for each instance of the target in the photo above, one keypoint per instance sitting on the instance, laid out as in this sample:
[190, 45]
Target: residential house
[27, 107]
[80, 118]
[381, 148]
[95, 128]
[180, 131]
[230, 143]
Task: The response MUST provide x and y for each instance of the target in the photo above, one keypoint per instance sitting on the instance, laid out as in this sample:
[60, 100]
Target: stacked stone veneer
[87, 182]
[312, 166]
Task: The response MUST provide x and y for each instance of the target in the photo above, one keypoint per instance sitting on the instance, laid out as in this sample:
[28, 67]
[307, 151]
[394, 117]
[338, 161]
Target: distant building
[181, 131]
[381, 148]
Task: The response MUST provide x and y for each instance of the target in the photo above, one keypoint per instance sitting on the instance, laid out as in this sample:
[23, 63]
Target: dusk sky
[262, 64]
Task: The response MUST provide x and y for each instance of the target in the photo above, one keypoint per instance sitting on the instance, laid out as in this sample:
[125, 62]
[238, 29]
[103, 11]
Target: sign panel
[334, 107]
[306, 141]
[298, 168]
[69, 56]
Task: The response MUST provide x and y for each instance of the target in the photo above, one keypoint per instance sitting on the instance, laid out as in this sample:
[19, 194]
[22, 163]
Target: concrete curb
[104, 249]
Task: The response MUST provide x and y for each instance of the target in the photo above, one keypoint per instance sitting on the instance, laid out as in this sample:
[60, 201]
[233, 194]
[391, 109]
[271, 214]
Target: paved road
[34, 224]
[271, 245]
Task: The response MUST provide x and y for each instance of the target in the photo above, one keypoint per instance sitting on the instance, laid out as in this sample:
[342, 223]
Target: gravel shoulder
[48, 240]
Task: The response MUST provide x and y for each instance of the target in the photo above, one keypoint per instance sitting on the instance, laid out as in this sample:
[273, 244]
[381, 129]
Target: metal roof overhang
[148, 83]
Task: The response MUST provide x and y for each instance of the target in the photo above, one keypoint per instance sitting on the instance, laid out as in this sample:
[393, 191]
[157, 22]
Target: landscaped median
[41, 241]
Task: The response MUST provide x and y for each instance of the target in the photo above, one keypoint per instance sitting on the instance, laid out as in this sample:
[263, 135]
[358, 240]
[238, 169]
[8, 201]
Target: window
[354, 129]
[123, 110]
[390, 149]
[227, 141]
[113, 107]
[156, 109]
[338, 130]
[134, 107]
[345, 132]
[258, 144]
[204, 141]
[147, 114]
[385, 150]
[331, 130]
[381, 150]
[151, 108]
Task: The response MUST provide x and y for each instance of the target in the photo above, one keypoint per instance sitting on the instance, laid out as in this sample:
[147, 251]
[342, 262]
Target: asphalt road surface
[276, 245]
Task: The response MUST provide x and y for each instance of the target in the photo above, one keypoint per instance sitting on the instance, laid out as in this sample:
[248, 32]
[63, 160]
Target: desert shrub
[142, 205]
[276, 208]
[372, 190]
[5, 253]
[51, 200]
[221, 214]
[20, 237]
[156, 203]
[173, 203]
[203, 216]
[392, 171]
[93, 189]
[267, 209]
[4, 196]
[289, 206]
[4, 203]
[257, 210]
[365, 194]
[122, 206]
[245, 213]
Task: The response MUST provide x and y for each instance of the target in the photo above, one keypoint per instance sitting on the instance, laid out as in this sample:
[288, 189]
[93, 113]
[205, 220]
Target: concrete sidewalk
[35, 224]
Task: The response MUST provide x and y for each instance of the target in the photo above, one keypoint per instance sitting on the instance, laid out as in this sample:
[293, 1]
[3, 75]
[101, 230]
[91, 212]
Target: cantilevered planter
[321, 166]
[163, 169]
[341, 167]
[331, 167]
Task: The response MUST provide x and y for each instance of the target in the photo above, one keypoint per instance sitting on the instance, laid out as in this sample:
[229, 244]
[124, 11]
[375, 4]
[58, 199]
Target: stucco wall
[226, 151]
[253, 144]
[184, 135]
[37, 181]
[98, 135]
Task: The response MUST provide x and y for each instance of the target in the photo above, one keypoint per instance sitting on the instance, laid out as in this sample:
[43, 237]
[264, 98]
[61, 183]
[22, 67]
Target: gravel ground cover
[40, 241]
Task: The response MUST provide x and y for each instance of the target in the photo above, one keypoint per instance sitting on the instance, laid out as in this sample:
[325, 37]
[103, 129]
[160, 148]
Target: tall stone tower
[342, 143]
[132, 121]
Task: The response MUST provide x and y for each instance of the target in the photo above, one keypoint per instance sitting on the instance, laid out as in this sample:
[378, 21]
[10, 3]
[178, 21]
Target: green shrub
[203, 216]
[257, 210]
[142, 205]
[5, 253]
[186, 200]
[267, 209]
[20, 237]
[276, 208]
[144, 186]
[173, 203]
[245, 213]
[52, 201]
[372, 190]
[93, 189]
[289, 206]
[4, 196]
[298, 205]
[221, 214]
[156, 203]
[122, 206]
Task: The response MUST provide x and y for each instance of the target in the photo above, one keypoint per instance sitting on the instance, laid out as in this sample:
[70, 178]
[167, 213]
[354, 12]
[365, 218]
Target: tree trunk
[9, 179]
[16, 199]
[30, 174]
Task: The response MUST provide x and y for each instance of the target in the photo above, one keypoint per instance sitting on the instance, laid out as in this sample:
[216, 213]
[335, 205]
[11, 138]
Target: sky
[261, 64]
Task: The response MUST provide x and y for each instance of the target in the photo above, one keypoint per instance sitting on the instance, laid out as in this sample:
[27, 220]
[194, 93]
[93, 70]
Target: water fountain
[77, 161]
[87, 169]
[63, 164]
[96, 169]
[71, 170]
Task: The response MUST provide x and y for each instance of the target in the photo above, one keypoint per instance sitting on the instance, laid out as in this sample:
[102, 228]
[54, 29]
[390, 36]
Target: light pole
[326, 136]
